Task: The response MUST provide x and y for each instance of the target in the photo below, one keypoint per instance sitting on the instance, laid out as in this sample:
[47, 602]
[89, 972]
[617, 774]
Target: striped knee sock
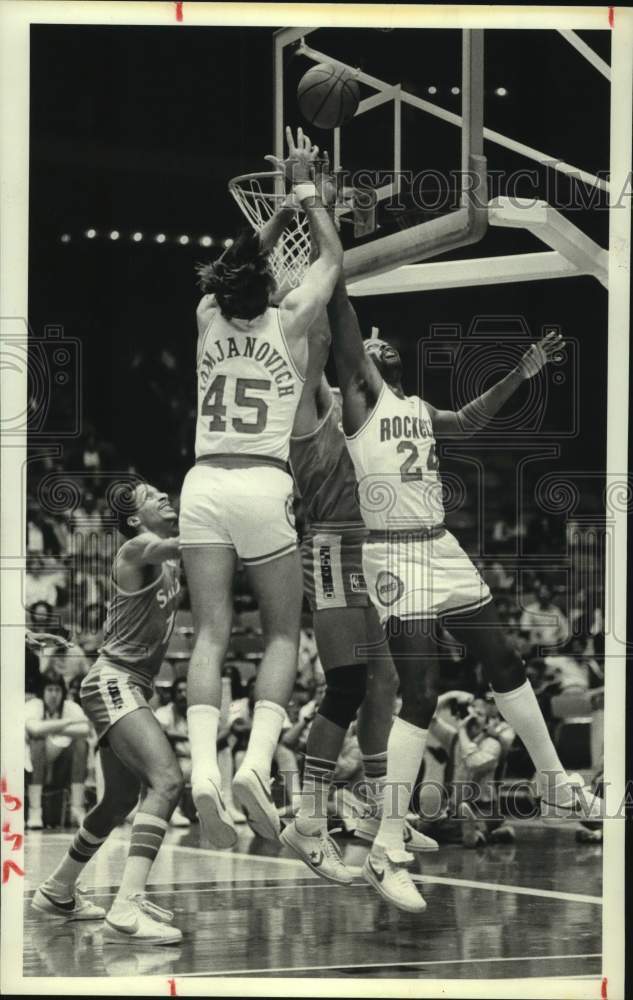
[83, 847]
[317, 780]
[148, 833]
[375, 767]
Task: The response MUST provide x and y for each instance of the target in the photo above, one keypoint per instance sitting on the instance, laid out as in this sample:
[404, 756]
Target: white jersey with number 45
[248, 388]
[396, 466]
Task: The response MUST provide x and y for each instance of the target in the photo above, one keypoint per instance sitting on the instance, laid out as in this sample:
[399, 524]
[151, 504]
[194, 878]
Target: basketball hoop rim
[256, 175]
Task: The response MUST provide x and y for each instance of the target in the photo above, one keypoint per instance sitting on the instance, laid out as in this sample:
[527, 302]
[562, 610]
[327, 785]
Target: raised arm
[148, 549]
[316, 397]
[271, 232]
[359, 380]
[303, 304]
[479, 412]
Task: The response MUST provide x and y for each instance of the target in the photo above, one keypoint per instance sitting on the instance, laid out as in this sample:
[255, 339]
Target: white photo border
[16, 17]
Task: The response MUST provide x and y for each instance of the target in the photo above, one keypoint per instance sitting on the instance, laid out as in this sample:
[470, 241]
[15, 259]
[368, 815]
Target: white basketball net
[259, 197]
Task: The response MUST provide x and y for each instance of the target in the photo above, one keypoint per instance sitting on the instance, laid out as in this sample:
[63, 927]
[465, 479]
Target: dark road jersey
[324, 474]
[138, 625]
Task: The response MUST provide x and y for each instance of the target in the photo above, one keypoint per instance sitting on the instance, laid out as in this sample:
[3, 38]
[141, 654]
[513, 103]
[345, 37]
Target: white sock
[268, 718]
[225, 766]
[405, 750]
[202, 722]
[317, 781]
[148, 833]
[521, 710]
[35, 798]
[84, 846]
[77, 796]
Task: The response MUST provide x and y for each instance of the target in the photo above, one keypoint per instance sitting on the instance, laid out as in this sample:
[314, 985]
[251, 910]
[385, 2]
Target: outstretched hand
[38, 640]
[298, 167]
[538, 355]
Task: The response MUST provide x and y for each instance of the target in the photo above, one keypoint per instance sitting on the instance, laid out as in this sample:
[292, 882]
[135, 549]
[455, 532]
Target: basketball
[328, 95]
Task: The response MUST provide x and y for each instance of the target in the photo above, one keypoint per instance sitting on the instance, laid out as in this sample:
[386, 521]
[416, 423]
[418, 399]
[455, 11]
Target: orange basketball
[328, 95]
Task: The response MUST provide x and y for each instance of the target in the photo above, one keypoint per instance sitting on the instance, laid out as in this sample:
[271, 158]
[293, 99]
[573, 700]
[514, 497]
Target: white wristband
[304, 190]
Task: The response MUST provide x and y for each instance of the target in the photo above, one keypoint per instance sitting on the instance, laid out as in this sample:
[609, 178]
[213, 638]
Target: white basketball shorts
[247, 509]
[421, 578]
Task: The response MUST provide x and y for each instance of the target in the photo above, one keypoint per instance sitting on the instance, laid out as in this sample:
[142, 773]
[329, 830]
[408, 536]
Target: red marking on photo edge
[178, 18]
[603, 990]
[611, 17]
[172, 987]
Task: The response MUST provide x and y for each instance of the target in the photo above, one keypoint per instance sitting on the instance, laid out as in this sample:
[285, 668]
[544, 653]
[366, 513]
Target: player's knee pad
[344, 693]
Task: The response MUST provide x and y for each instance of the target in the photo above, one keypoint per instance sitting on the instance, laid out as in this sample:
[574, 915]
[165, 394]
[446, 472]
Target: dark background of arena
[139, 129]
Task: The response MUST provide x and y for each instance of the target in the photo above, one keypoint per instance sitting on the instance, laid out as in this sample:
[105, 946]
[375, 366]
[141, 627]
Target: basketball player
[237, 499]
[136, 756]
[346, 625]
[416, 572]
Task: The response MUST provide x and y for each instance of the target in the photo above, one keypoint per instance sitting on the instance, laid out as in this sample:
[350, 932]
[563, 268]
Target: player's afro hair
[123, 505]
[240, 279]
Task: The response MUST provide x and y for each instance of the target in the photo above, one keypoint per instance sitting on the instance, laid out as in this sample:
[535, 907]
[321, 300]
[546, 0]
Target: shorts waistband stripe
[233, 461]
[275, 554]
[461, 608]
[336, 528]
[415, 534]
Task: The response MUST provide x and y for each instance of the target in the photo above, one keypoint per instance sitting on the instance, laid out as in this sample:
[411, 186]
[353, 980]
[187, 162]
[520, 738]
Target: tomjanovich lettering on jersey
[257, 349]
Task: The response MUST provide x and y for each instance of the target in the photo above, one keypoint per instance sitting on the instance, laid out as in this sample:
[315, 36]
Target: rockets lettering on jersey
[248, 388]
[407, 426]
[396, 466]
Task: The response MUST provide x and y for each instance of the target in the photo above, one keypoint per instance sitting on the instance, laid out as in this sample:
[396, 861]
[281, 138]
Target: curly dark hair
[240, 279]
[123, 504]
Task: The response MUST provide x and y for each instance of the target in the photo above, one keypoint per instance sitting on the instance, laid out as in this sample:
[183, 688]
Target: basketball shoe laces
[152, 910]
[398, 862]
[331, 850]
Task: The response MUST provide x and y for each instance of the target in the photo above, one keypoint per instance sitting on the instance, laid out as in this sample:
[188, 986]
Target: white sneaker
[350, 809]
[571, 798]
[215, 820]
[319, 852]
[236, 815]
[367, 829]
[418, 842]
[137, 921]
[71, 906]
[252, 795]
[35, 821]
[384, 869]
[178, 818]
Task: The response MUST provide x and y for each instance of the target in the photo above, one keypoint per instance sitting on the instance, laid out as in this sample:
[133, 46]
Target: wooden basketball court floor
[528, 909]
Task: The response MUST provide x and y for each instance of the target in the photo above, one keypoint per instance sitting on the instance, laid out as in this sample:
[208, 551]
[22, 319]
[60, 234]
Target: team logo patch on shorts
[389, 588]
[357, 583]
[290, 510]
